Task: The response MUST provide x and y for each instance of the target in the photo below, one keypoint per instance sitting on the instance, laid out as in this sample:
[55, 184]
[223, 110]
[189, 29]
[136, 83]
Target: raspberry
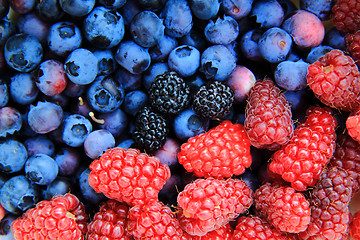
[302, 159]
[109, 222]
[353, 125]
[283, 207]
[346, 15]
[221, 152]
[222, 233]
[335, 80]
[330, 205]
[153, 221]
[355, 226]
[207, 204]
[127, 175]
[352, 43]
[268, 116]
[62, 217]
[347, 156]
[254, 228]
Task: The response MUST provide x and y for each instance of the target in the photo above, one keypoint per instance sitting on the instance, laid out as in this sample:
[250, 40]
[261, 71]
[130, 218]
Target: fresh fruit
[354, 226]
[353, 124]
[345, 16]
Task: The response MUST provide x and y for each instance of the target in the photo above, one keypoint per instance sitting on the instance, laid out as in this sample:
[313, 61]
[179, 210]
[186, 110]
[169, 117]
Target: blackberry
[150, 130]
[169, 94]
[213, 100]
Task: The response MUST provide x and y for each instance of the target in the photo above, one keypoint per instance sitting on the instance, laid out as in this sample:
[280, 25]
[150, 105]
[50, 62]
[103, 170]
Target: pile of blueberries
[73, 74]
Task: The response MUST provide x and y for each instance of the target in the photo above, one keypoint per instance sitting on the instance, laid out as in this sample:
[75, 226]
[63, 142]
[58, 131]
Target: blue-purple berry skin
[68, 160]
[249, 45]
[268, 13]
[97, 142]
[45, 117]
[23, 52]
[18, 194]
[177, 17]
[7, 28]
[4, 93]
[223, 30]
[104, 28]
[317, 52]
[77, 8]
[288, 6]
[168, 152]
[23, 89]
[60, 186]
[334, 38]
[74, 90]
[64, 37]
[162, 49]
[75, 129]
[10, 121]
[195, 38]
[146, 29]
[115, 122]
[205, 9]
[134, 101]
[154, 70]
[217, 62]
[241, 81]
[184, 60]
[5, 226]
[321, 8]
[128, 80]
[188, 124]
[81, 66]
[237, 8]
[127, 143]
[250, 179]
[13, 155]
[133, 57]
[291, 75]
[106, 61]
[49, 10]
[33, 25]
[275, 45]
[87, 192]
[129, 10]
[41, 169]
[39, 144]
[113, 4]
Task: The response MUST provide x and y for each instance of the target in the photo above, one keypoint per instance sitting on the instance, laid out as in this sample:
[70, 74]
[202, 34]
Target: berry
[352, 42]
[330, 205]
[283, 207]
[268, 120]
[41, 169]
[153, 220]
[254, 228]
[150, 129]
[88, 193]
[317, 52]
[115, 122]
[109, 222]
[106, 61]
[222, 31]
[322, 8]
[169, 93]
[10, 121]
[291, 75]
[128, 176]
[334, 79]
[23, 89]
[208, 204]
[13, 156]
[185, 60]
[77, 8]
[62, 217]
[162, 49]
[75, 129]
[334, 38]
[134, 101]
[309, 150]
[345, 16]
[213, 100]
[249, 44]
[238, 9]
[33, 25]
[354, 226]
[267, 13]
[353, 126]
[39, 144]
[97, 142]
[221, 152]
[222, 233]
[45, 117]
[59, 186]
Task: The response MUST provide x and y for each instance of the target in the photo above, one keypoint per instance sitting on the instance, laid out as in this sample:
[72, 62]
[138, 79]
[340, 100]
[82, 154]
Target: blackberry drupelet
[150, 130]
[213, 100]
[169, 94]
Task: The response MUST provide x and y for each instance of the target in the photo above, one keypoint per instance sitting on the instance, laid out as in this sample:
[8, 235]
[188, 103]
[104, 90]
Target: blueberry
[51, 78]
[168, 152]
[105, 94]
[49, 10]
[134, 101]
[152, 5]
[317, 52]
[275, 45]
[22, 6]
[129, 10]
[177, 18]
[249, 45]
[162, 49]
[222, 31]
[4, 93]
[81, 66]
[5, 227]
[154, 70]
[18, 194]
[334, 38]
[237, 8]
[75, 129]
[45, 117]
[268, 13]
[10, 121]
[127, 143]
[33, 25]
[205, 9]
[97, 142]
[188, 124]
[73, 90]
[146, 29]
[185, 60]
[13, 155]
[128, 80]
[195, 82]
[64, 37]
[195, 38]
[104, 28]
[250, 179]
[112, 4]
[217, 62]
[23, 52]
[89, 194]
[288, 6]
[321, 8]
[23, 89]
[115, 122]
[7, 29]
[68, 160]
[291, 75]
[77, 8]
[106, 61]
[39, 144]
[241, 81]
[41, 169]
[133, 57]
[60, 186]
